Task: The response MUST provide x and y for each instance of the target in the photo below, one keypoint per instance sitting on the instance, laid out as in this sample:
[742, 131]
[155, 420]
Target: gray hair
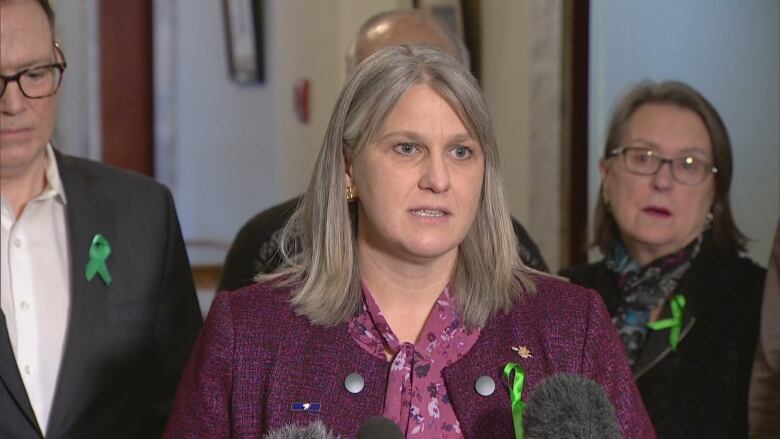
[318, 243]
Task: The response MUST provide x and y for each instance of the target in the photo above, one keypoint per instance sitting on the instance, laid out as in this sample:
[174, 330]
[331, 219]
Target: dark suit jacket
[256, 356]
[127, 342]
[255, 248]
[701, 389]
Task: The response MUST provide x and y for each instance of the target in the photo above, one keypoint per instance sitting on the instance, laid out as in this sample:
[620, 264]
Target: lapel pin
[99, 251]
[523, 352]
[306, 406]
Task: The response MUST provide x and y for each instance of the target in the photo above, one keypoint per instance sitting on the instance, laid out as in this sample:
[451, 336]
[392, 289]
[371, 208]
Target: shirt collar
[53, 186]
[53, 182]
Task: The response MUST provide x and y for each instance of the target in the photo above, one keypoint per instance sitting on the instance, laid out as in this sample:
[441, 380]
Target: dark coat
[255, 247]
[701, 389]
[127, 342]
[256, 356]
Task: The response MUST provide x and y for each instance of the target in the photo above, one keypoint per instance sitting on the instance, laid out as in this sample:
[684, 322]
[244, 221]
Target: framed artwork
[244, 30]
[448, 11]
[463, 18]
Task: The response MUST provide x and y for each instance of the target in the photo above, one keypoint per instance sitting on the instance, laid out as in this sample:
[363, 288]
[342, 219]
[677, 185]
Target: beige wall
[77, 129]
[505, 82]
[521, 79]
[311, 49]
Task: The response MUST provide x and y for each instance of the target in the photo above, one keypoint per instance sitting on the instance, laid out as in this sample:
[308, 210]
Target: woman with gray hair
[402, 293]
[685, 303]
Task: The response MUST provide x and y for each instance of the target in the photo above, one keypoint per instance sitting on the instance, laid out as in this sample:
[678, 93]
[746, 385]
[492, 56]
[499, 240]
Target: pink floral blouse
[416, 398]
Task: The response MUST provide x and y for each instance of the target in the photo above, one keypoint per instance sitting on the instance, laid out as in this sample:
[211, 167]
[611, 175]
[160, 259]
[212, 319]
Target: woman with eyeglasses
[684, 302]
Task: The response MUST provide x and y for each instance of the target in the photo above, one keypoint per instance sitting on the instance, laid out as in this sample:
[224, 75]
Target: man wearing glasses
[98, 305]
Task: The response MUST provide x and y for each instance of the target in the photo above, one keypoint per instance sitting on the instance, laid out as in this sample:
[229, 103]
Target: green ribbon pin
[675, 322]
[99, 251]
[515, 376]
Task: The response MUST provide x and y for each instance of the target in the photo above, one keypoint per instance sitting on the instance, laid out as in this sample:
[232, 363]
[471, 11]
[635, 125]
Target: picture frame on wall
[245, 42]
[462, 17]
[448, 11]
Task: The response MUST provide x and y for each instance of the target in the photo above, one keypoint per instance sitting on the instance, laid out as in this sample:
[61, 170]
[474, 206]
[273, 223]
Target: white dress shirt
[35, 287]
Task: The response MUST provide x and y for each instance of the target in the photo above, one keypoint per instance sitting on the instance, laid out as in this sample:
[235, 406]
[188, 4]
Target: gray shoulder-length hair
[318, 243]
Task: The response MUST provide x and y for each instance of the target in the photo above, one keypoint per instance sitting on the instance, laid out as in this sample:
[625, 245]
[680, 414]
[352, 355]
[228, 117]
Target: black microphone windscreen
[569, 406]
[315, 430]
[379, 427]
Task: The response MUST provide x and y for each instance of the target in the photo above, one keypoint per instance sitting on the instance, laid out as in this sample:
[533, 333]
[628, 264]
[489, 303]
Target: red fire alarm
[301, 92]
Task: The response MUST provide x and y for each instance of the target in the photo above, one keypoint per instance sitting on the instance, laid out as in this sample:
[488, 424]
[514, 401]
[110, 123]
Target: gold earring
[351, 195]
[708, 221]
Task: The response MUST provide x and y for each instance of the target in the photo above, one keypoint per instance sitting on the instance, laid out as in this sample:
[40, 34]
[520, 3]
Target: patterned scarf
[643, 289]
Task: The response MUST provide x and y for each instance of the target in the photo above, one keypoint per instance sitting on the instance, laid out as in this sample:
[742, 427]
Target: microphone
[379, 427]
[315, 430]
[569, 406]
[375, 427]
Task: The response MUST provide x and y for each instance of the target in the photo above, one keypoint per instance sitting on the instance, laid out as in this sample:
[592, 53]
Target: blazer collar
[53, 180]
[487, 358]
[89, 211]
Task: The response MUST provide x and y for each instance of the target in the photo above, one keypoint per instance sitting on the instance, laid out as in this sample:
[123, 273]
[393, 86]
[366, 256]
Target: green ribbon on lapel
[675, 322]
[515, 376]
[99, 251]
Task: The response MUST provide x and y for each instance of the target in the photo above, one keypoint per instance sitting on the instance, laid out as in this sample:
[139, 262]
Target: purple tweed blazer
[255, 357]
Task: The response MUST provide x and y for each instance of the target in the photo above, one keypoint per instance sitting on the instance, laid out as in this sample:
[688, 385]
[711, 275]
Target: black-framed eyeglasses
[686, 169]
[40, 81]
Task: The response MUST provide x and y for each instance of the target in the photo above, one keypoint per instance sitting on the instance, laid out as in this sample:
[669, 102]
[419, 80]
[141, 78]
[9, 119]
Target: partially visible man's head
[26, 125]
[405, 26]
